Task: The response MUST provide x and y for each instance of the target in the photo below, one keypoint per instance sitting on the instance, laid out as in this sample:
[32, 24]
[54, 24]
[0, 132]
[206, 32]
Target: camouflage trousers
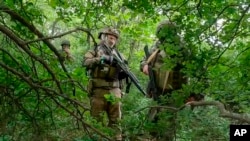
[100, 104]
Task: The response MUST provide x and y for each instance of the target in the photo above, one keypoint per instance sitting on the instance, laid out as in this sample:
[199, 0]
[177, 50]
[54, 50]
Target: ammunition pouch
[106, 72]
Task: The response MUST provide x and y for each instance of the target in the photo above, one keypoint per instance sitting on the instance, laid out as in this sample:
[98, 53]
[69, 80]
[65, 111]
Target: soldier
[105, 78]
[65, 51]
[166, 60]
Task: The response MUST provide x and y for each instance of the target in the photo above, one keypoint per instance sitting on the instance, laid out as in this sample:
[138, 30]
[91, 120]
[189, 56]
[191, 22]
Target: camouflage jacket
[102, 72]
[64, 56]
[166, 68]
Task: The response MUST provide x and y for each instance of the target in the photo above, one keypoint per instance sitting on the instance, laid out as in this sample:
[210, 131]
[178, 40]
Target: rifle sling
[165, 81]
[152, 56]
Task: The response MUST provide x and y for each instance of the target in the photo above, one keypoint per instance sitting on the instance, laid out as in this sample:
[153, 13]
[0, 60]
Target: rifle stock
[152, 85]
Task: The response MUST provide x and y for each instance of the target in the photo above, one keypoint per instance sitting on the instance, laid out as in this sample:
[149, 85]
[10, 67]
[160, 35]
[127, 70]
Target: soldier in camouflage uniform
[105, 78]
[65, 54]
[168, 56]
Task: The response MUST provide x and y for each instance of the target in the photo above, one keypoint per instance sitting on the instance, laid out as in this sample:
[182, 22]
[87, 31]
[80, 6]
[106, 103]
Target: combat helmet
[65, 42]
[166, 29]
[111, 31]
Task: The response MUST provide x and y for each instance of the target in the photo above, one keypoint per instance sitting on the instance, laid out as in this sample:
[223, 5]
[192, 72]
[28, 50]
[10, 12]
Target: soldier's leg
[164, 120]
[114, 113]
[170, 130]
[153, 118]
[98, 104]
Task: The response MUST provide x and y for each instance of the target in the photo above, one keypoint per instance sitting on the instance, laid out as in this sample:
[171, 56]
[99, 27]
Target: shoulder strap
[120, 55]
[152, 56]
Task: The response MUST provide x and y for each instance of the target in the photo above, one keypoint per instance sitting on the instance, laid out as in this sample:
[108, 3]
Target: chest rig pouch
[107, 72]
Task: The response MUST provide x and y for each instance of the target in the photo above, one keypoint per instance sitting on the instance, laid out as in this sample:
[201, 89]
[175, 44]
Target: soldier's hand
[107, 59]
[122, 75]
[145, 69]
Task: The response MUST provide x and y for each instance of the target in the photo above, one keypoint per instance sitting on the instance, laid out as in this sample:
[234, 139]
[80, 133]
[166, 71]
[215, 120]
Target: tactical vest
[167, 80]
[107, 72]
[104, 75]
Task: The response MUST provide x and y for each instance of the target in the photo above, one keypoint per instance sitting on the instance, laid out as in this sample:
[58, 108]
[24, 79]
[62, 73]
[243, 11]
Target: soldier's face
[111, 40]
[66, 47]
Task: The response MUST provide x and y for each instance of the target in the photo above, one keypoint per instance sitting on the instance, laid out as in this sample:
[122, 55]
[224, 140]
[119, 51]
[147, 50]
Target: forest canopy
[44, 98]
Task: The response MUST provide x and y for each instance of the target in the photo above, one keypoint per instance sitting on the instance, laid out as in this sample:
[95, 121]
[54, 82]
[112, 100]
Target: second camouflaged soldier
[165, 60]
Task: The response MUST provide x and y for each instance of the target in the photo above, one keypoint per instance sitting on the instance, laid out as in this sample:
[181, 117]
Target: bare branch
[63, 34]
[174, 109]
[222, 110]
[198, 7]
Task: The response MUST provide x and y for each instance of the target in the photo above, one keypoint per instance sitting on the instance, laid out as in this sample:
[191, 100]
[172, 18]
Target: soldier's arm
[69, 56]
[143, 62]
[90, 60]
[61, 56]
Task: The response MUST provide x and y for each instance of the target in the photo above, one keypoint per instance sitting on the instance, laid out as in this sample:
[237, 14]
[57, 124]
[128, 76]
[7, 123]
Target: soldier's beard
[109, 43]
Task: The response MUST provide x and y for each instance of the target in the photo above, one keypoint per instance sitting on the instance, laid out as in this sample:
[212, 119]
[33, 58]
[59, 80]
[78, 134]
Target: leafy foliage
[44, 98]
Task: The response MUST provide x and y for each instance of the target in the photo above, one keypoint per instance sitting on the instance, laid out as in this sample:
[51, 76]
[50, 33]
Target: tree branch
[14, 60]
[20, 43]
[222, 110]
[83, 122]
[235, 33]
[63, 34]
[33, 29]
[51, 92]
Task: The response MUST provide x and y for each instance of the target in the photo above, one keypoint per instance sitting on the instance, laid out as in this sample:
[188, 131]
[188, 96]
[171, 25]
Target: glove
[106, 59]
[122, 75]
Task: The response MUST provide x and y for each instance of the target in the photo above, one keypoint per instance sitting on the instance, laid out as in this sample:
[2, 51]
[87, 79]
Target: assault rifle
[126, 70]
[132, 77]
[152, 85]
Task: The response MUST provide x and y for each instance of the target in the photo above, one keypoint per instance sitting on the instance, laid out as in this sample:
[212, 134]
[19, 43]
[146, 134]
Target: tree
[36, 89]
